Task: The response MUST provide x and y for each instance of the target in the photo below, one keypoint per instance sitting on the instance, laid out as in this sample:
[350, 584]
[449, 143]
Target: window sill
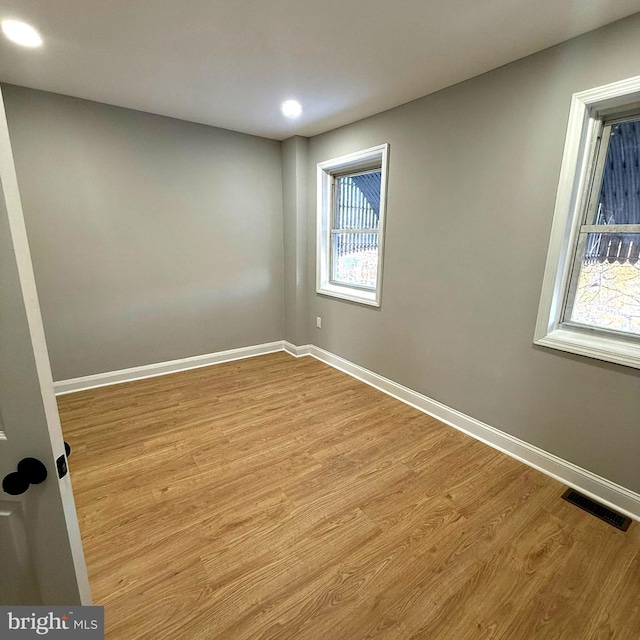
[616, 349]
[370, 298]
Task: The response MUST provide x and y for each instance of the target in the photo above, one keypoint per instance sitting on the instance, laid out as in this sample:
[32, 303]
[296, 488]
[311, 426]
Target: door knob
[30, 471]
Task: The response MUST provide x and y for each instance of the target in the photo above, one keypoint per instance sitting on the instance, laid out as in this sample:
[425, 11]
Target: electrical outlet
[319, 322]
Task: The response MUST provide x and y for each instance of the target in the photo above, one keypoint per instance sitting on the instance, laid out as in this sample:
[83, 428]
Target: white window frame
[585, 123]
[373, 158]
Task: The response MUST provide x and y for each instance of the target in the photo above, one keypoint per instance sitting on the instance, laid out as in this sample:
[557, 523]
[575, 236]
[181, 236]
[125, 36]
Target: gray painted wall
[152, 238]
[294, 191]
[475, 167]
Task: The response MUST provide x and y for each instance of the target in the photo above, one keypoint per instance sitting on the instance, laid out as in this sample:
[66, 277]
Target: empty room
[320, 320]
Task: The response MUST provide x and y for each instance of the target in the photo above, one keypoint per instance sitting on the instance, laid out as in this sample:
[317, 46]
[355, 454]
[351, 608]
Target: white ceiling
[230, 63]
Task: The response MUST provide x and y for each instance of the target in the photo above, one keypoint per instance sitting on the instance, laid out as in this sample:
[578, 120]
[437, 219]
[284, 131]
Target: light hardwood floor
[277, 498]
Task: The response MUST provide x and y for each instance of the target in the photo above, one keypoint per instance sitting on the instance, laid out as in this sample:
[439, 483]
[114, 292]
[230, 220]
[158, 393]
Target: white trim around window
[375, 158]
[585, 121]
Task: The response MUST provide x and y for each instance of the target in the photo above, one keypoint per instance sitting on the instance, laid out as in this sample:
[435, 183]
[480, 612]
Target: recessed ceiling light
[291, 108]
[21, 33]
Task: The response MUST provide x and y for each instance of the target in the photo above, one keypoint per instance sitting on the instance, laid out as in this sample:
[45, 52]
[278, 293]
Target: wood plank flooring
[277, 498]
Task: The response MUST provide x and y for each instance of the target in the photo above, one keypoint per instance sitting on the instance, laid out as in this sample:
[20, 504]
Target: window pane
[619, 200]
[358, 201]
[608, 290]
[355, 259]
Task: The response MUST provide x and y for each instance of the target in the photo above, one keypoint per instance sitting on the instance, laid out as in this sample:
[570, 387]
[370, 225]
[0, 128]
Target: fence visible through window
[608, 284]
[355, 229]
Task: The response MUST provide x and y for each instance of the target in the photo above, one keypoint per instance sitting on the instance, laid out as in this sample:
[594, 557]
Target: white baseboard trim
[296, 352]
[613, 495]
[163, 368]
[604, 491]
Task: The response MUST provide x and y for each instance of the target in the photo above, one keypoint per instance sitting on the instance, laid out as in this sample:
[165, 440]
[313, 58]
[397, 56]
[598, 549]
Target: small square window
[351, 204]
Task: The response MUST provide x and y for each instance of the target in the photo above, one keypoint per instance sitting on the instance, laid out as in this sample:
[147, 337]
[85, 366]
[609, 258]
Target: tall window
[591, 296]
[351, 205]
[605, 286]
